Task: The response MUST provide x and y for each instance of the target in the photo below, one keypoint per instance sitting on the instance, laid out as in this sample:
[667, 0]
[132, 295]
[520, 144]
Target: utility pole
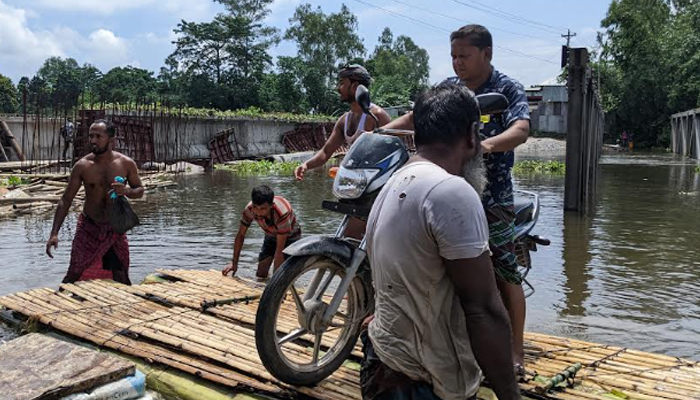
[565, 49]
[568, 37]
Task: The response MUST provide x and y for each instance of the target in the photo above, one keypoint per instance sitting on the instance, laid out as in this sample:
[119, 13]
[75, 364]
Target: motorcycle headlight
[351, 183]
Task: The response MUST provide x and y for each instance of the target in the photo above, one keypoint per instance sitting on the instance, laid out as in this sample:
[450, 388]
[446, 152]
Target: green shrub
[540, 167]
[262, 167]
[13, 181]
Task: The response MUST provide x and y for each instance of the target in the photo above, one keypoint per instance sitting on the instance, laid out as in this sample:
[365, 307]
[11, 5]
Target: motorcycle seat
[524, 210]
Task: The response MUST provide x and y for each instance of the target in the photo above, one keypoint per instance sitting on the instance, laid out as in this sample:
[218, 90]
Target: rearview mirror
[362, 98]
[492, 103]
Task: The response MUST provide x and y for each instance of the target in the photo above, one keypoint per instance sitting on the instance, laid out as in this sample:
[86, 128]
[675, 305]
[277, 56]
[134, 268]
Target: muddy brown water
[628, 276]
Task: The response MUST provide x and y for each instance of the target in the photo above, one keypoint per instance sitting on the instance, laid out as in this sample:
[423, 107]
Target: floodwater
[628, 276]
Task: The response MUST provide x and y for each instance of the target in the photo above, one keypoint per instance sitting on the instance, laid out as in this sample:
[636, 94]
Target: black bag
[123, 217]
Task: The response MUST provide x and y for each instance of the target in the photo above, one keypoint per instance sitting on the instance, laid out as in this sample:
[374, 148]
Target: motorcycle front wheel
[293, 342]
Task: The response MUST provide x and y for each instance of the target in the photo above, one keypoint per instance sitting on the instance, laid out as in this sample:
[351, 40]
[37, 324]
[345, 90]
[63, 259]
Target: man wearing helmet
[352, 123]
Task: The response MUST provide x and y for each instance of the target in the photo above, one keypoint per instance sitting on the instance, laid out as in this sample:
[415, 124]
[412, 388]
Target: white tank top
[349, 139]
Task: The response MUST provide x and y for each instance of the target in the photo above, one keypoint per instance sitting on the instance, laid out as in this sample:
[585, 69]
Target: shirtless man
[347, 129]
[98, 252]
[352, 123]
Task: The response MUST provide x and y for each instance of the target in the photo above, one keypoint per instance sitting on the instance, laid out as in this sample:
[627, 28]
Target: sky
[107, 34]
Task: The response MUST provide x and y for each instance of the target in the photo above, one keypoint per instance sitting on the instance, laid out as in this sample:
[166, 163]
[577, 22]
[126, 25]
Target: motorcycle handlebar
[394, 132]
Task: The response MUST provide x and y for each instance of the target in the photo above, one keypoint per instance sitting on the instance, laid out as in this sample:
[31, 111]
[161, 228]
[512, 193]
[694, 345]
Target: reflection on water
[576, 258]
[628, 276]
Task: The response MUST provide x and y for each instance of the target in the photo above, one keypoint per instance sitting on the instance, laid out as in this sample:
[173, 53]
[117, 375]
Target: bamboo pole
[537, 337]
[2, 150]
[13, 142]
[617, 373]
[561, 377]
[32, 176]
[35, 199]
[56, 184]
[31, 208]
[208, 279]
[619, 370]
[628, 360]
[625, 383]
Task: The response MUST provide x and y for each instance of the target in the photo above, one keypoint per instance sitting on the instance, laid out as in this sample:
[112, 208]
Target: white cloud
[23, 50]
[105, 49]
[20, 47]
[103, 7]
[189, 9]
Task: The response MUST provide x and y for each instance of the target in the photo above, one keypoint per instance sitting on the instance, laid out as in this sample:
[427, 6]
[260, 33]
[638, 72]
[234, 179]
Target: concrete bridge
[157, 138]
[685, 133]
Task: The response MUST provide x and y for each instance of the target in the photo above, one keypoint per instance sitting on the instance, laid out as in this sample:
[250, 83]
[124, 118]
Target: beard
[474, 172]
[97, 151]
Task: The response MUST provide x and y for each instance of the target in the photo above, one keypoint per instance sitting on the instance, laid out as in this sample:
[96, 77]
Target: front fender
[336, 249]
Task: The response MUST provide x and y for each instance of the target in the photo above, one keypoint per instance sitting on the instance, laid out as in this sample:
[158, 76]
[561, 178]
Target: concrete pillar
[578, 61]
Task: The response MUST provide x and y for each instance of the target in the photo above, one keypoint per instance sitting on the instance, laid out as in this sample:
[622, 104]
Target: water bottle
[118, 179]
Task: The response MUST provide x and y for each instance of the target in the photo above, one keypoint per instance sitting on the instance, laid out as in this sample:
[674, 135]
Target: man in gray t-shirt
[439, 321]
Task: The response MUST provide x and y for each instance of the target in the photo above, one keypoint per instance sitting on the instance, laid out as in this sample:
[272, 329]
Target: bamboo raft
[164, 323]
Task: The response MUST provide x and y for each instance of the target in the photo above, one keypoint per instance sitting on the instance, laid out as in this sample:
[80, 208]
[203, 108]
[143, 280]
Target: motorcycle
[326, 281]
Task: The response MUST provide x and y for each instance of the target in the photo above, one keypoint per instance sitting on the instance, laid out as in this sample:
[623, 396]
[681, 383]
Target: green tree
[8, 97]
[225, 58]
[649, 65]
[635, 46]
[683, 47]
[170, 88]
[323, 42]
[125, 85]
[22, 87]
[284, 90]
[62, 80]
[58, 85]
[400, 69]
[89, 77]
[37, 94]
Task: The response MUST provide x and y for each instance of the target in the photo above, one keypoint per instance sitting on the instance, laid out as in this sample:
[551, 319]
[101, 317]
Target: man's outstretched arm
[76, 179]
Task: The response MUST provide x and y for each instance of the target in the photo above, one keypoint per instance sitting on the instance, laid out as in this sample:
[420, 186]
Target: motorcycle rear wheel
[288, 335]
